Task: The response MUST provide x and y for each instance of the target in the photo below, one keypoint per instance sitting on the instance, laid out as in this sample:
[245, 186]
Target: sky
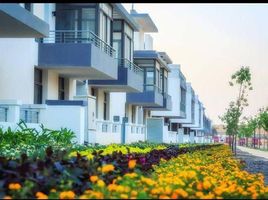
[211, 42]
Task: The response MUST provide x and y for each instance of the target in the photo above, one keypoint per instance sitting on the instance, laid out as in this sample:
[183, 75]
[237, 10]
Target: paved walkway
[256, 160]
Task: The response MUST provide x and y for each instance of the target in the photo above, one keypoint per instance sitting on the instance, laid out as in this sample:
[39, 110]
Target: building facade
[91, 68]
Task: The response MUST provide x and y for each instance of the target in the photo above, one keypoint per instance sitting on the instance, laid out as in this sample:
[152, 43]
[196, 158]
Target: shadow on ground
[254, 164]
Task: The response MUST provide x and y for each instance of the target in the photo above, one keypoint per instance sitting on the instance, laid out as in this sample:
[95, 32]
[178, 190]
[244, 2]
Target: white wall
[117, 104]
[50, 85]
[17, 60]
[148, 42]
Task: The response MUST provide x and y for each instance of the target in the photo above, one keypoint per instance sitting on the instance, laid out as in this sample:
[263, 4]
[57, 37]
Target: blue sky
[211, 41]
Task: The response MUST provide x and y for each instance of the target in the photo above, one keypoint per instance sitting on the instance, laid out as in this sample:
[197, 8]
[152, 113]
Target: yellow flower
[67, 195]
[131, 175]
[93, 179]
[206, 184]
[14, 186]
[100, 183]
[124, 196]
[107, 168]
[131, 164]
[199, 194]
[41, 195]
[134, 193]
[53, 190]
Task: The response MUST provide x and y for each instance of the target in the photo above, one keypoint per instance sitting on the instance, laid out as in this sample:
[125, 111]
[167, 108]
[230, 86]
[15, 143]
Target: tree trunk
[259, 138]
[254, 139]
[235, 144]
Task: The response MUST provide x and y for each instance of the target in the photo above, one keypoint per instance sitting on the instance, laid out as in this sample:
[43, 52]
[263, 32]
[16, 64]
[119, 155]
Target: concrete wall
[17, 60]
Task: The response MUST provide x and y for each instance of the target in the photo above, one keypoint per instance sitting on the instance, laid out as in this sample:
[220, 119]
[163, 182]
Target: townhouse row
[91, 68]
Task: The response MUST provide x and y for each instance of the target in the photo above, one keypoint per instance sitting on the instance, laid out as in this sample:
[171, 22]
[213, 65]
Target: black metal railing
[70, 36]
[123, 62]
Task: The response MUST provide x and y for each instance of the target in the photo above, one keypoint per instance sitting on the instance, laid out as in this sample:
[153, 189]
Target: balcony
[167, 104]
[17, 22]
[77, 54]
[130, 78]
[150, 97]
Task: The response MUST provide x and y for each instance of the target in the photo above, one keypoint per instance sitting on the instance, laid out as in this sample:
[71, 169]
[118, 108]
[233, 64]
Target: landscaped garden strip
[206, 174]
[57, 172]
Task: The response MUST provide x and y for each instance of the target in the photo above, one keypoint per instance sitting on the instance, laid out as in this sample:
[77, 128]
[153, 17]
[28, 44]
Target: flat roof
[126, 16]
[17, 22]
[151, 54]
[145, 21]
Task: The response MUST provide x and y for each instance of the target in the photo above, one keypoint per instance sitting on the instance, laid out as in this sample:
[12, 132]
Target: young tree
[263, 117]
[242, 79]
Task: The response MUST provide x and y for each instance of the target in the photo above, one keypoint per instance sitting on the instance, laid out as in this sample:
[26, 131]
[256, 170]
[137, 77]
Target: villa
[92, 68]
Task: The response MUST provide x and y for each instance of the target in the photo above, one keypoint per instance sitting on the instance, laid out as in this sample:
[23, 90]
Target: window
[117, 44]
[105, 107]
[157, 79]
[133, 115]
[61, 88]
[105, 28]
[76, 17]
[149, 79]
[93, 92]
[165, 85]
[144, 116]
[128, 48]
[29, 7]
[38, 87]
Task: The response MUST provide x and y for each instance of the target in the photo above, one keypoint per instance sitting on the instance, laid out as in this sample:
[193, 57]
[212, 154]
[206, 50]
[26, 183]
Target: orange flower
[41, 195]
[107, 168]
[7, 197]
[14, 186]
[67, 195]
[131, 164]
[93, 179]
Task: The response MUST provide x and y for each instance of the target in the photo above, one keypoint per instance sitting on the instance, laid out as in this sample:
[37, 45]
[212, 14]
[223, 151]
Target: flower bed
[59, 176]
[206, 174]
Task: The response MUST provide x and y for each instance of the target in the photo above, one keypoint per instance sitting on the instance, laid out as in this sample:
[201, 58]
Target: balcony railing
[108, 126]
[151, 87]
[69, 36]
[29, 115]
[135, 128]
[3, 114]
[122, 62]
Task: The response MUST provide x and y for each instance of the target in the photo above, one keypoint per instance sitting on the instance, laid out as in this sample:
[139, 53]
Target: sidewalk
[256, 161]
[254, 152]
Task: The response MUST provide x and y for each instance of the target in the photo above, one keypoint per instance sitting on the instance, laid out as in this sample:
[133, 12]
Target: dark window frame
[38, 85]
[61, 88]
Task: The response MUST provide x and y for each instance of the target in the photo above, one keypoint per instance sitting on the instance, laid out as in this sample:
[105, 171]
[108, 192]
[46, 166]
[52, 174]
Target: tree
[263, 118]
[242, 79]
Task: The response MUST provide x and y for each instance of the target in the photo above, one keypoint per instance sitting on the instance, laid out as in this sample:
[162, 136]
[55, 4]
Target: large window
[117, 44]
[183, 100]
[61, 88]
[38, 86]
[105, 22]
[128, 48]
[149, 79]
[76, 17]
